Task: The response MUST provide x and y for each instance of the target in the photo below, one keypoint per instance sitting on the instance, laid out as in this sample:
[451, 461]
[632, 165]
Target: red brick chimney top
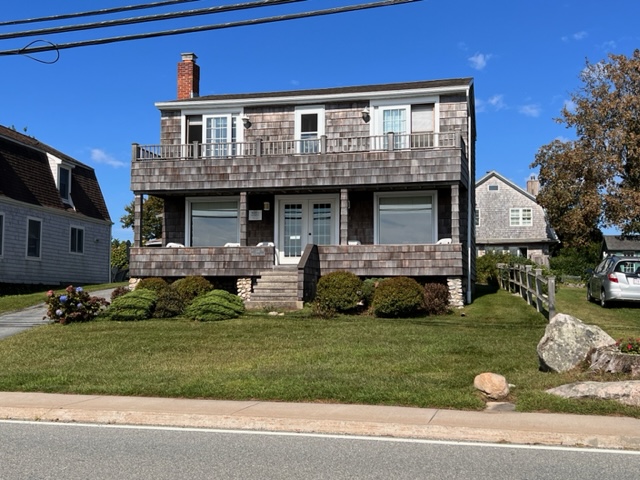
[188, 77]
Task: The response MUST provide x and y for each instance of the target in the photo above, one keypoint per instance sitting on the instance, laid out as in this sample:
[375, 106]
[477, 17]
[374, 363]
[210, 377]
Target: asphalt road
[36, 450]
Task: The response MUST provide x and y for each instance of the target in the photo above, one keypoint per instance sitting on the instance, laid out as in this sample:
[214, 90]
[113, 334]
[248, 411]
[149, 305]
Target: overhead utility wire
[293, 16]
[146, 18]
[91, 13]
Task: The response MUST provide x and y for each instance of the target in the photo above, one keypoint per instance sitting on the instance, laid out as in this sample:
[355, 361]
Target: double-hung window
[76, 242]
[520, 217]
[34, 238]
[407, 218]
[213, 222]
[64, 183]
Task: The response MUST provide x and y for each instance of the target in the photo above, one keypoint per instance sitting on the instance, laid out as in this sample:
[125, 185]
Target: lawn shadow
[483, 289]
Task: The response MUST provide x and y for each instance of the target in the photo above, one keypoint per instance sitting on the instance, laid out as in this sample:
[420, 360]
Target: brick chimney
[188, 77]
[533, 185]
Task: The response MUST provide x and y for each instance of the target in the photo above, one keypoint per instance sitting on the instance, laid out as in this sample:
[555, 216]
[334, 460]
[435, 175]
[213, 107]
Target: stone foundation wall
[456, 293]
[243, 286]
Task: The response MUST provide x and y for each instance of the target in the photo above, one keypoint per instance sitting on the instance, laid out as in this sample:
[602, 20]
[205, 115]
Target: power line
[146, 18]
[164, 33]
[103, 11]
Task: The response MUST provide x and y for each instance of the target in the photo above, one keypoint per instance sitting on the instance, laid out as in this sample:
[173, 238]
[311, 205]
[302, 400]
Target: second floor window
[309, 127]
[220, 135]
[64, 184]
[520, 217]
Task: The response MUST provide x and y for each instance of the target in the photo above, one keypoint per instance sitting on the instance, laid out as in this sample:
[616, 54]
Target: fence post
[538, 280]
[551, 295]
[527, 272]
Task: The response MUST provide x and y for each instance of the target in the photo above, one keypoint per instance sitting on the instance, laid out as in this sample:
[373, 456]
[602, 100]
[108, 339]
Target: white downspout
[470, 213]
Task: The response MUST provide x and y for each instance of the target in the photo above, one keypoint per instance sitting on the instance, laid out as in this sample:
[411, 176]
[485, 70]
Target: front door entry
[304, 220]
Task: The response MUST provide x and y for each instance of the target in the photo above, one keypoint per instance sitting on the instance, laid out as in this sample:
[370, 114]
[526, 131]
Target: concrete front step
[273, 305]
[276, 289]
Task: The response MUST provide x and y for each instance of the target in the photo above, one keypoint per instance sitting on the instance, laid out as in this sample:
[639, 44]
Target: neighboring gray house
[621, 245]
[374, 179]
[54, 224]
[508, 219]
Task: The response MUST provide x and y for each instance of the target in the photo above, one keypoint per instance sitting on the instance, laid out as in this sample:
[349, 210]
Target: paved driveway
[15, 322]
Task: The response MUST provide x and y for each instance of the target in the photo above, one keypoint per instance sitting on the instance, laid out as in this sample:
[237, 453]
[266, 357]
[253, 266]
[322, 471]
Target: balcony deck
[325, 162]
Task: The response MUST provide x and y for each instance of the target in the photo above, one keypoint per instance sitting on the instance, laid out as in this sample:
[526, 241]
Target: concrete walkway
[400, 422]
[18, 321]
[497, 424]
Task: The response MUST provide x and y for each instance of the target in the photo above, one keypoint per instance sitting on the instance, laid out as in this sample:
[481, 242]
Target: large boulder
[492, 385]
[567, 341]
[627, 393]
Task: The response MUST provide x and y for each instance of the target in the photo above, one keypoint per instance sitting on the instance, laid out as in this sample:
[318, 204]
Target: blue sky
[525, 58]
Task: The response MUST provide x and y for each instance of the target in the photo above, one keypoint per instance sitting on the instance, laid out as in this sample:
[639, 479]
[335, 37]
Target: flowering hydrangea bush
[630, 345]
[74, 305]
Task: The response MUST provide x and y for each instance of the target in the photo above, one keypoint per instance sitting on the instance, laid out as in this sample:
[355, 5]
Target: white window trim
[26, 246]
[377, 106]
[305, 110]
[376, 211]
[189, 201]
[71, 228]
[520, 211]
[238, 113]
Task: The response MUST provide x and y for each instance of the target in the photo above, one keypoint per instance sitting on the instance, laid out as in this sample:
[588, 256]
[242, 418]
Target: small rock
[492, 385]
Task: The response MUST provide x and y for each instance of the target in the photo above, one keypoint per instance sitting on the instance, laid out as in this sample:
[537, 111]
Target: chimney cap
[189, 56]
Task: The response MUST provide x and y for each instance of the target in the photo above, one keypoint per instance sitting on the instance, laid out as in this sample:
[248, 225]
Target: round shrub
[436, 298]
[398, 297]
[215, 305]
[136, 305]
[153, 283]
[169, 304]
[191, 287]
[338, 292]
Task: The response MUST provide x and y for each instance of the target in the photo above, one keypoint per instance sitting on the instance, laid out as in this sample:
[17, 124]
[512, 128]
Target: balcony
[323, 162]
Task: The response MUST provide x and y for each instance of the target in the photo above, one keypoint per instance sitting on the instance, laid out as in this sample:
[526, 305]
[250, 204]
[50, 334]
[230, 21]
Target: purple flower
[79, 289]
[63, 298]
[58, 312]
[80, 305]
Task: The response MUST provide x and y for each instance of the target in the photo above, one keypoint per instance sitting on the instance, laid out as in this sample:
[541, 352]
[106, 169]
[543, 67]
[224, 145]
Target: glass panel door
[304, 221]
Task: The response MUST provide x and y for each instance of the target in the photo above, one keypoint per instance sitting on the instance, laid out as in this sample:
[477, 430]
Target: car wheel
[589, 296]
[603, 301]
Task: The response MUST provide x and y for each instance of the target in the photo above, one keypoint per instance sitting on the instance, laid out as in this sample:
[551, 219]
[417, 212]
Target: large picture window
[34, 237]
[406, 219]
[213, 223]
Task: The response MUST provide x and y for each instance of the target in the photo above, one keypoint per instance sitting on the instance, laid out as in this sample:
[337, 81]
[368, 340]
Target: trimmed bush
[191, 287]
[338, 292]
[369, 289]
[436, 298]
[214, 306]
[155, 284]
[398, 297]
[169, 304]
[136, 305]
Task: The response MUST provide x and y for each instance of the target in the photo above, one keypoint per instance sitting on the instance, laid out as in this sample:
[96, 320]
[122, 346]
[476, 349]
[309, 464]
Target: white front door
[304, 220]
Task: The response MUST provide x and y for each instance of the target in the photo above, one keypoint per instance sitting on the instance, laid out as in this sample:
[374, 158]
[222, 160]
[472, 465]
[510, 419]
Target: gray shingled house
[621, 245]
[508, 219]
[269, 191]
[54, 224]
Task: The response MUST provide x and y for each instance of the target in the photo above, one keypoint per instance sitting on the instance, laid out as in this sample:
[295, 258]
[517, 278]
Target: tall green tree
[152, 209]
[594, 181]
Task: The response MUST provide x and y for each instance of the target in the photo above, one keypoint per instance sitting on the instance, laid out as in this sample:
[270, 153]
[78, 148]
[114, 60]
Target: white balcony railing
[322, 145]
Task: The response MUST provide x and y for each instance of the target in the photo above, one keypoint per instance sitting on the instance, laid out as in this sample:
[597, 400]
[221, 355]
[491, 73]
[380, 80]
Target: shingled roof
[25, 176]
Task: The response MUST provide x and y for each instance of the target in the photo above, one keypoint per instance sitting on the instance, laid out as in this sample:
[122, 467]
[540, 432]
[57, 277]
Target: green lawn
[426, 362]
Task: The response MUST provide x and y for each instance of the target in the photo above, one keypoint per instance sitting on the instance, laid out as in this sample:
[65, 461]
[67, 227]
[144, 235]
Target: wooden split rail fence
[539, 291]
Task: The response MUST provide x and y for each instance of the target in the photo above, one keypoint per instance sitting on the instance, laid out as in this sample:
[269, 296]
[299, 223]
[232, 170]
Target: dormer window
[64, 184]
